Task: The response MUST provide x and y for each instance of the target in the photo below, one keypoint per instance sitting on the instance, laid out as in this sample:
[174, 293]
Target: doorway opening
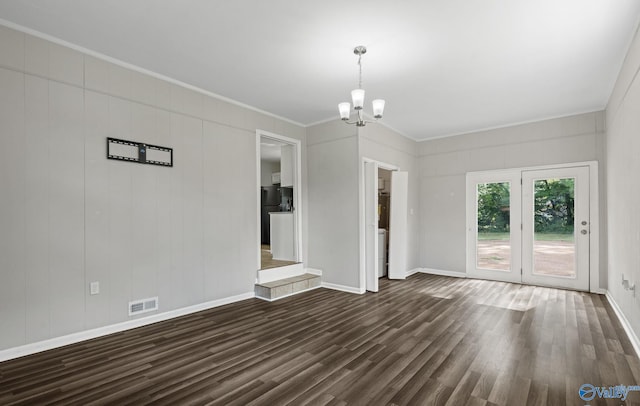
[278, 167]
[383, 218]
[534, 225]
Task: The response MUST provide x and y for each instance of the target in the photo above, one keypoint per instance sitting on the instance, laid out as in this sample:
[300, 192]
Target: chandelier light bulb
[378, 108]
[357, 96]
[345, 109]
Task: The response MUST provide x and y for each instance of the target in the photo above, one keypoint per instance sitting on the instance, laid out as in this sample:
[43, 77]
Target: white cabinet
[282, 241]
[286, 166]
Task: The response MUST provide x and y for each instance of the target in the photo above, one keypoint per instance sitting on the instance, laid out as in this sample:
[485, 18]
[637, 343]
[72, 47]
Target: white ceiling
[444, 66]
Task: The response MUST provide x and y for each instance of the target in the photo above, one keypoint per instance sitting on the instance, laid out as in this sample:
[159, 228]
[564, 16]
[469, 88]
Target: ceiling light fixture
[357, 96]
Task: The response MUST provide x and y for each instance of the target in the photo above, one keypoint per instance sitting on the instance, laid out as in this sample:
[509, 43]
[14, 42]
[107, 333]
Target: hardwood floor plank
[462, 391]
[426, 340]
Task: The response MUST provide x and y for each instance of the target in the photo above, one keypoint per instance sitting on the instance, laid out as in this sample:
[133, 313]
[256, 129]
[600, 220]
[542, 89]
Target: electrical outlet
[95, 288]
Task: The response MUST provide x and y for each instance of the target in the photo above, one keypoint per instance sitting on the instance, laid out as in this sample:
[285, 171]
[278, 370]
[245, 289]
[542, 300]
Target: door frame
[297, 183]
[594, 213]
[362, 219]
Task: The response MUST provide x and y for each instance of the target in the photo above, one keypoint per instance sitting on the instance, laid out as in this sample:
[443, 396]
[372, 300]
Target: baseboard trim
[33, 348]
[343, 288]
[285, 296]
[413, 271]
[444, 273]
[635, 342]
[313, 271]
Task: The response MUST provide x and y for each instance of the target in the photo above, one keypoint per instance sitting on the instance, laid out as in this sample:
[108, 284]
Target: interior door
[371, 225]
[398, 225]
[493, 226]
[555, 227]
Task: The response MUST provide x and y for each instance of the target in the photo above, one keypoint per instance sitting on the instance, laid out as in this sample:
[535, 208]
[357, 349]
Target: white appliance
[382, 252]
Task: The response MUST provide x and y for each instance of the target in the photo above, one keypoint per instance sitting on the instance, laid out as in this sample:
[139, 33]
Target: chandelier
[357, 96]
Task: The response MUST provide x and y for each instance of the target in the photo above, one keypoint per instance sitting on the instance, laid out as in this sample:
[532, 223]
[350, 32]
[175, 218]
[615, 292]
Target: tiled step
[287, 287]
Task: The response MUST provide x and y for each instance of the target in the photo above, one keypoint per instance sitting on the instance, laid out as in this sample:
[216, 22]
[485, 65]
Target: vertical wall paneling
[36, 56]
[96, 74]
[66, 208]
[11, 48]
[229, 203]
[120, 184]
[165, 181]
[173, 286]
[143, 210]
[37, 142]
[66, 65]
[334, 208]
[69, 216]
[12, 215]
[214, 175]
[191, 134]
[97, 215]
[238, 206]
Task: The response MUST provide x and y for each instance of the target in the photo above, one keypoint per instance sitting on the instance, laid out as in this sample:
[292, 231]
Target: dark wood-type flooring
[426, 340]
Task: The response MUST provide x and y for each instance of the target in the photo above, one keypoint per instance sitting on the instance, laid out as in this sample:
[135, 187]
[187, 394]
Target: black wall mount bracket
[132, 151]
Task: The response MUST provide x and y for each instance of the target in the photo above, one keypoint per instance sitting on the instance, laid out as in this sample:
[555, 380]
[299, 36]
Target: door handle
[583, 231]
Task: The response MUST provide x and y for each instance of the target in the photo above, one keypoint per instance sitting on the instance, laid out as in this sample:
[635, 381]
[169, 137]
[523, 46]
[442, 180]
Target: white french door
[493, 229]
[530, 226]
[555, 227]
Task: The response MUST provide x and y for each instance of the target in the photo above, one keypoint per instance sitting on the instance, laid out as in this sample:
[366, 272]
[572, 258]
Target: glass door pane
[555, 227]
[554, 249]
[493, 241]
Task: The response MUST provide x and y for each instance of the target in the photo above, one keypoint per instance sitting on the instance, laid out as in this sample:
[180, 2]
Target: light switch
[95, 288]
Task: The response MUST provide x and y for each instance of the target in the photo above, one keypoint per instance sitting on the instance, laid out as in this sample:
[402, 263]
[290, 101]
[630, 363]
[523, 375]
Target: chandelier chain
[360, 67]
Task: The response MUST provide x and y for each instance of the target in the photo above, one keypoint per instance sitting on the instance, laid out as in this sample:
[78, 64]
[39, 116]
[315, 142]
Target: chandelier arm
[360, 121]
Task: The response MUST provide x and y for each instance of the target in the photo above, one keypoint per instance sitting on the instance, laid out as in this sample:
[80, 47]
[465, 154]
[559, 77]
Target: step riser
[287, 288]
[286, 296]
[274, 274]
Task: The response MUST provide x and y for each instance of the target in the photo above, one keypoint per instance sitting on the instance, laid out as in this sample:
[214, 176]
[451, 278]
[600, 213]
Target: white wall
[69, 216]
[332, 150]
[443, 164]
[381, 144]
[623, 167]
[335, 153]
